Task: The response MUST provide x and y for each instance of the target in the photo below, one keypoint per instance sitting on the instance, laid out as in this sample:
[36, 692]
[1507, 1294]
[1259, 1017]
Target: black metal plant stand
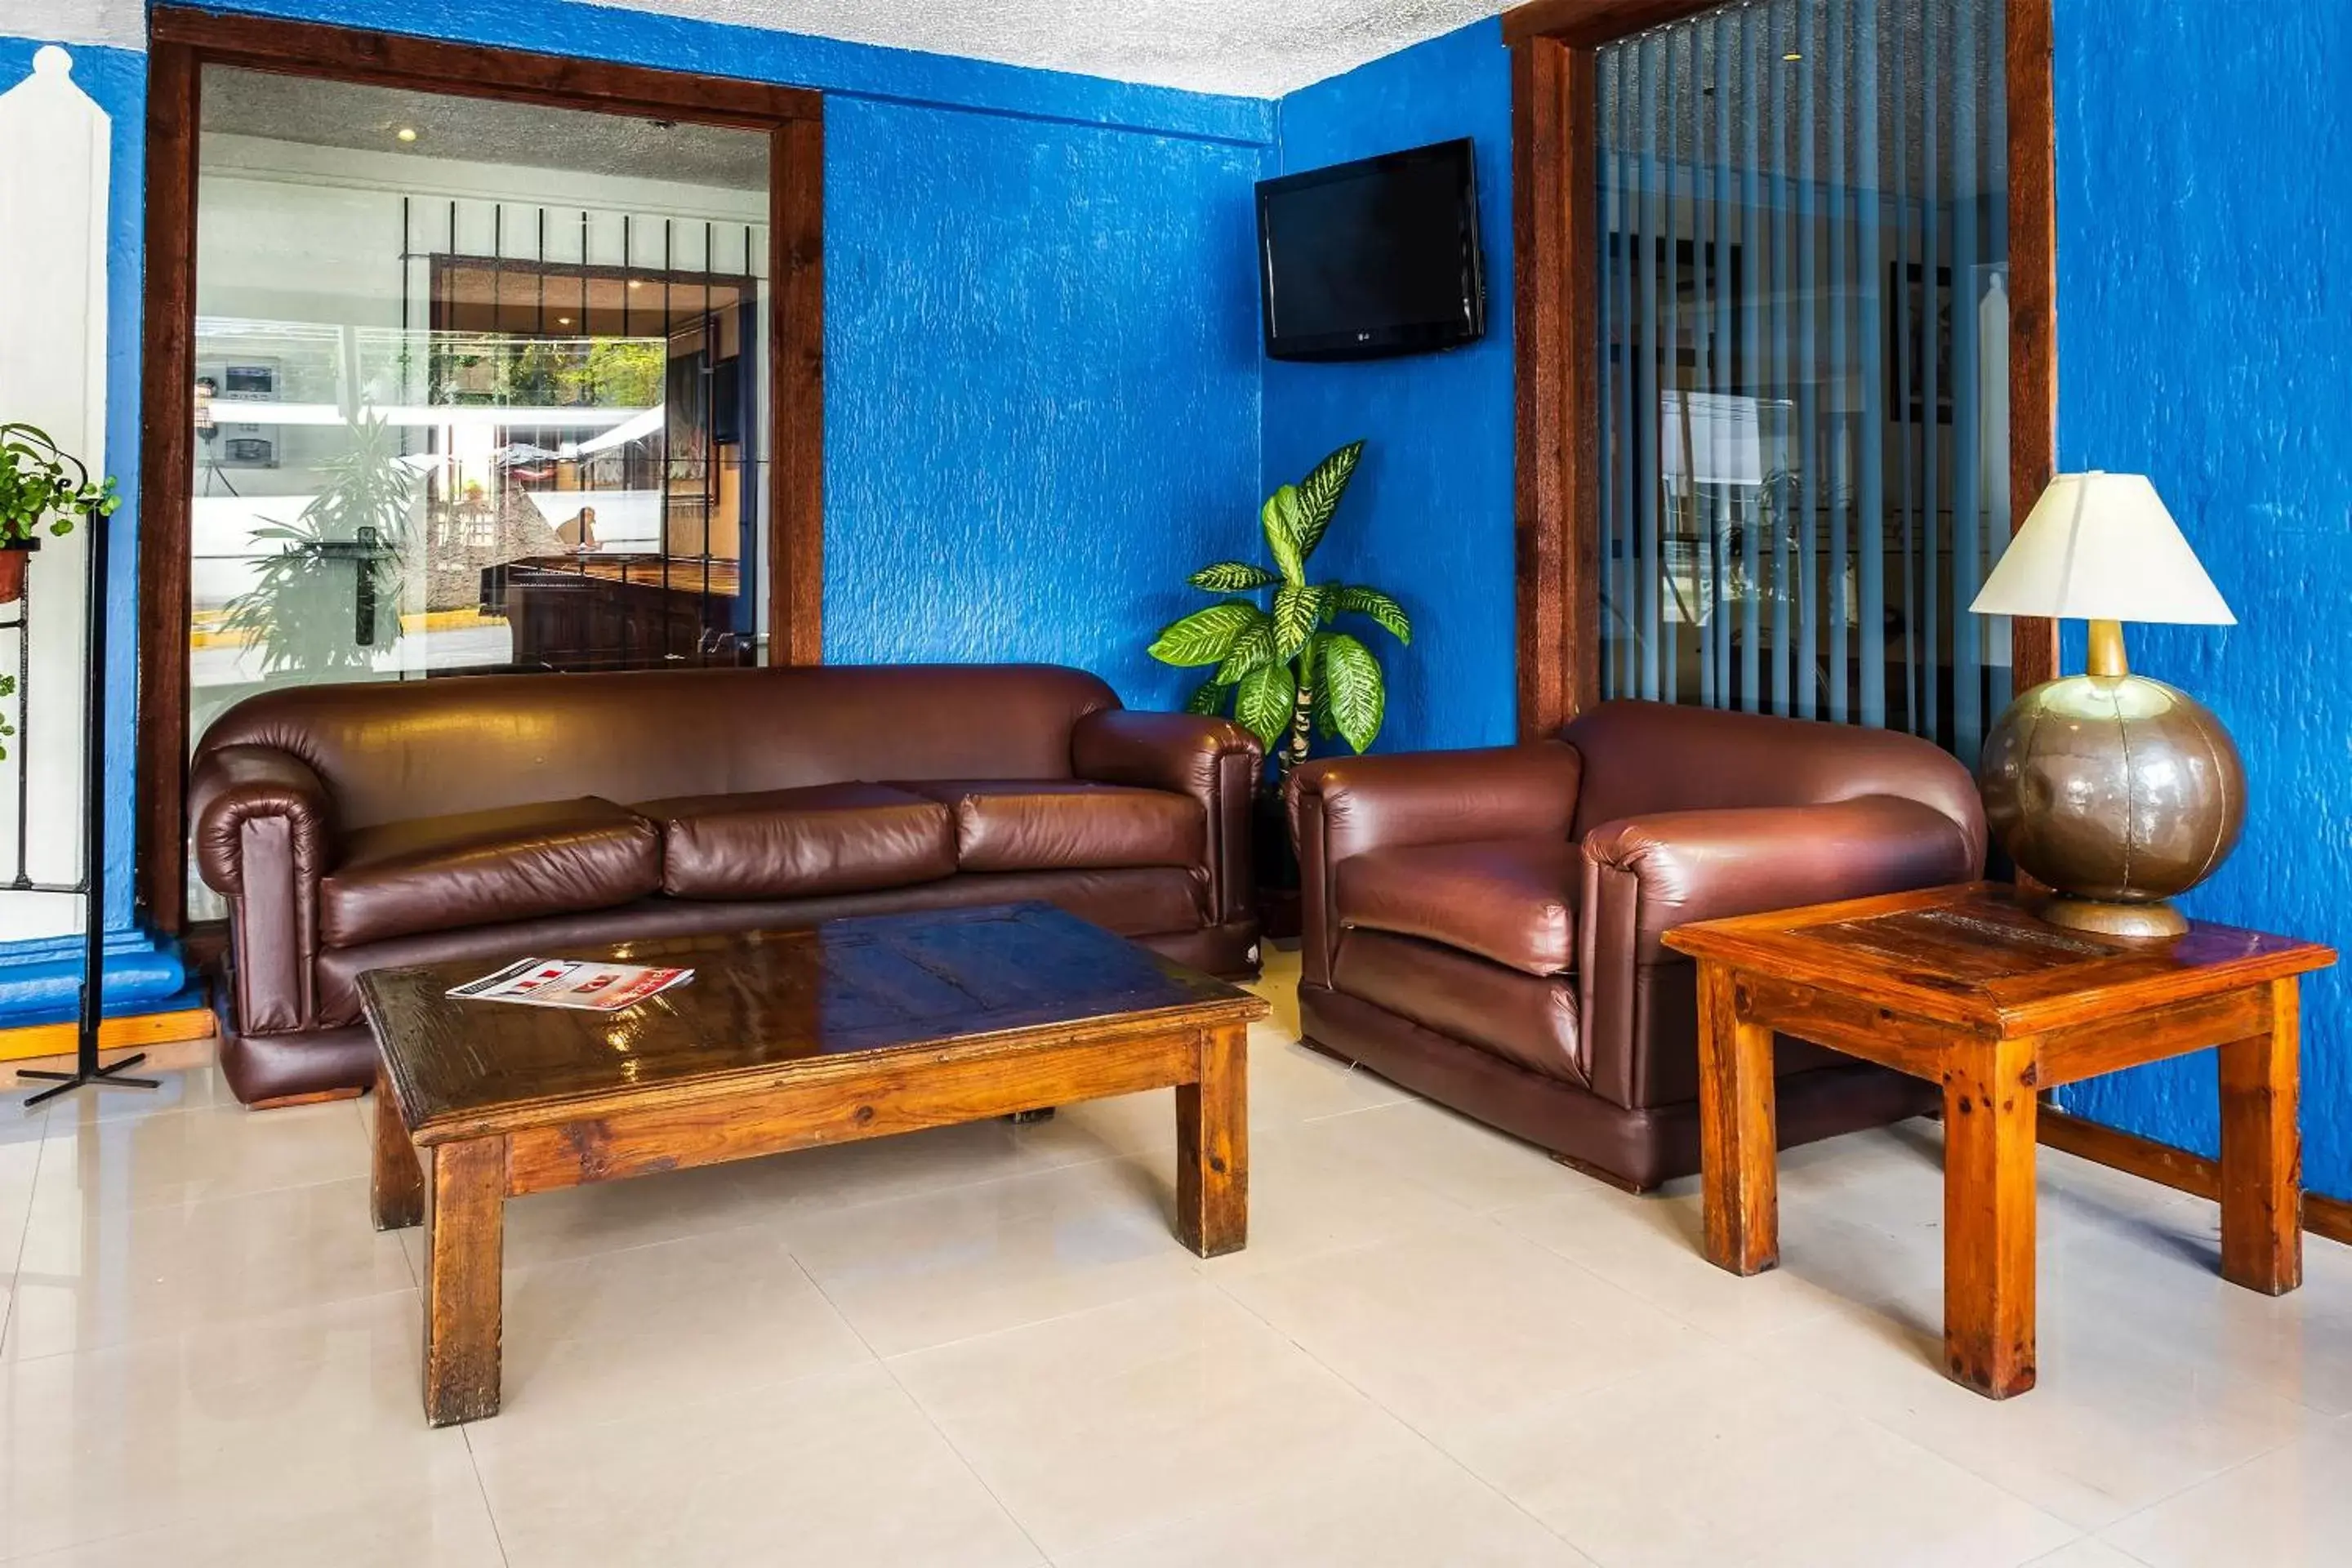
[86, 1072]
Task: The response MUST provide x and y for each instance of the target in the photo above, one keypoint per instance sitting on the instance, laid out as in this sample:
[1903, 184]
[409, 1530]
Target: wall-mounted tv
[1371, 259]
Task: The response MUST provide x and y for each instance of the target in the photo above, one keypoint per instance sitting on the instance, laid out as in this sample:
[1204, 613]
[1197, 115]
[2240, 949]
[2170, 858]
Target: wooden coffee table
[782, 1040]
[1963, 986]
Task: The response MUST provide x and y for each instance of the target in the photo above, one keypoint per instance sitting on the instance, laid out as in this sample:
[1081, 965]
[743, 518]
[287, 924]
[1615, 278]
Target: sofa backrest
[390, 751]
[1645, 757]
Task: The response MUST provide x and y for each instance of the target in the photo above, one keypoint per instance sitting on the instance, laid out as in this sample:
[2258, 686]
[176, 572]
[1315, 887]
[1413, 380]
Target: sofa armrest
[1215, 761]
[1345, 806]
[261, 821]
[1643, 876]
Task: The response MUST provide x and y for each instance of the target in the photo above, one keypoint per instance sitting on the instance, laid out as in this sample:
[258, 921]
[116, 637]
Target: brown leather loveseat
[1483, 926]
[361, 826]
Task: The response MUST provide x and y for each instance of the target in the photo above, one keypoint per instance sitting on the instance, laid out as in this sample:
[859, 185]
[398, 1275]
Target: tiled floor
[981, 1346]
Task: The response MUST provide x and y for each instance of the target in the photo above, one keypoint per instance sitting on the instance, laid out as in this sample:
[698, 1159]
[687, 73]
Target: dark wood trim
[167, 381]
[796, 393]
[2033, 300]
[2179, 1169]
[1542, 263]
[1553, 43]
[399, 59]
[1586, 24]
[183, 41]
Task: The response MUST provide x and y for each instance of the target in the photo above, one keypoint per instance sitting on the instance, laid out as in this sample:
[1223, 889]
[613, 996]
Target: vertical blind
[1803, 395]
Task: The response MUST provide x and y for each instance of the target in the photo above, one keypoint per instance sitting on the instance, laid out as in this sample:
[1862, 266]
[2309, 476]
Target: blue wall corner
[2202, 327]
[1429, 517]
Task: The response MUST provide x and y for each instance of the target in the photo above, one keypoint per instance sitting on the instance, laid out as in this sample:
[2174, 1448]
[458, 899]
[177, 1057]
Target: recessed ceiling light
[636, 282]
[1792, 57]
[563, 321]
[406, 133]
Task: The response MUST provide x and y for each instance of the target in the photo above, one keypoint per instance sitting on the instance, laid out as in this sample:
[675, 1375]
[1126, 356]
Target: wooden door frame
[1554, 99]
[182, 43]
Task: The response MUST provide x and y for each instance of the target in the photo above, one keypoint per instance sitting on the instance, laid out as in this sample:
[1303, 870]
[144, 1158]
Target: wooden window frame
[184, 41]
[1554, 99]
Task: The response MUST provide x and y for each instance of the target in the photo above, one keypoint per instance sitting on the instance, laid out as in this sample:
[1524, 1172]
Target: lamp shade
[2102, 547]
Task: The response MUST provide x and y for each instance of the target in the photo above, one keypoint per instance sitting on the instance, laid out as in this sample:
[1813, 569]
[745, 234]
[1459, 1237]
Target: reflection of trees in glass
[329, 597]
[619, 372]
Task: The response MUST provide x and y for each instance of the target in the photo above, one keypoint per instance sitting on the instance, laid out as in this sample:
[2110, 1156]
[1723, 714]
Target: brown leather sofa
[1483, 926]
[360, 826]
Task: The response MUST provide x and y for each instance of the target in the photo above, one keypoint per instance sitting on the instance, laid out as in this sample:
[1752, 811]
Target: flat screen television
[1376, 258]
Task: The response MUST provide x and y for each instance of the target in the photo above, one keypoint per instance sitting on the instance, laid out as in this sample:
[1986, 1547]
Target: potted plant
[42, 488]
[1285, 671]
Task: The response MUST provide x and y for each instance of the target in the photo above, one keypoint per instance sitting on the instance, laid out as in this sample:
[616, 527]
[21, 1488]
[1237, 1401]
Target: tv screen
[1375, 258]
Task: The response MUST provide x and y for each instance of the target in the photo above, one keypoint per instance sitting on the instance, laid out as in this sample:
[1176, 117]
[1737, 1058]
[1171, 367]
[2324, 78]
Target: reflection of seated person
[580, 533]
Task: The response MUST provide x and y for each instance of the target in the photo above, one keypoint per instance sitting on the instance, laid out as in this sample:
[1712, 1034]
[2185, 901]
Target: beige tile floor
[981, 1346]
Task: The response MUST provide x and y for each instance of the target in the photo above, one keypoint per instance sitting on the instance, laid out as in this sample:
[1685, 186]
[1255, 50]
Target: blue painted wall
[1430, 515]
[1041, 396]
[2204, 208]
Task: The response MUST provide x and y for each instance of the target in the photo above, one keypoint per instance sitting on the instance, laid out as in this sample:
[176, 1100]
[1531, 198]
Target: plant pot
[1276, 863]
[14, 554]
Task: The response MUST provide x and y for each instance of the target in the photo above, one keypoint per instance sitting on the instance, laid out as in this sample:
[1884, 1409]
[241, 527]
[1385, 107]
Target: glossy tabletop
[1976, 955]
[764, 1001]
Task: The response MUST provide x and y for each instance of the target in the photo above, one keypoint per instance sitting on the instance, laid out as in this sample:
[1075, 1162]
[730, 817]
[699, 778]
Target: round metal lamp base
[2140, 920]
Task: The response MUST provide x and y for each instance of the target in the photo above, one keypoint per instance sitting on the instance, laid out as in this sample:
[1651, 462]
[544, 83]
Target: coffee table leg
[1737, 1135]
[465, 1247]
[1989, 1106]
[2262, 1198]
[396, 1183]
[1213, 1147]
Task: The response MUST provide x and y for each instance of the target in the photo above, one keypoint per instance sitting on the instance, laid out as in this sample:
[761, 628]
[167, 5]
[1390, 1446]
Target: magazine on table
[595, 987]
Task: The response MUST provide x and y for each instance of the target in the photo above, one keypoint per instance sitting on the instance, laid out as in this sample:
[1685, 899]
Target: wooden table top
[1974, 955]
[764, 1004]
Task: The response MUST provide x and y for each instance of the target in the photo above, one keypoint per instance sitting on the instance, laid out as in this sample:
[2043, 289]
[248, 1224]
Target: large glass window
[480, 385]
[1803, 305]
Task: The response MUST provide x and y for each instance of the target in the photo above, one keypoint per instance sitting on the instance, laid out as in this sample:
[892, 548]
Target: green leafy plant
[43, 487]
[1281, 669]
[303, 611]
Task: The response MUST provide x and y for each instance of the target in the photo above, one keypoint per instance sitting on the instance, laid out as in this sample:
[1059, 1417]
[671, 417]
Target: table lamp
[2114, 791]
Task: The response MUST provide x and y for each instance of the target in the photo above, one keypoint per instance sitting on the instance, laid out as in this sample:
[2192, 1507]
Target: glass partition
[480, 386]
[1804, 324]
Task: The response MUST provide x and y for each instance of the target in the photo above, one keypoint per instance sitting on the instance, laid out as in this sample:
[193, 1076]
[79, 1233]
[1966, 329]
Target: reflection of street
[435, 647]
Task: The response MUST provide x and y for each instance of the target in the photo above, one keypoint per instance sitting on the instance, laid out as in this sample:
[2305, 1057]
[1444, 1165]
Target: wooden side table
[1965, 987]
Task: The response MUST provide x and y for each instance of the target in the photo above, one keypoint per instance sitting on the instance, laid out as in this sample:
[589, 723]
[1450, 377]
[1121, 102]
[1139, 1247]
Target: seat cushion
[477, 867]
[1520, 1018]
[1067, 825]
[802, 843]
[1512, 900]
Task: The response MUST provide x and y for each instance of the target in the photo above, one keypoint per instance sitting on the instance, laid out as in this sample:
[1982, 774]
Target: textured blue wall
[2204, 210]
[1042, 388]
[1430, 515]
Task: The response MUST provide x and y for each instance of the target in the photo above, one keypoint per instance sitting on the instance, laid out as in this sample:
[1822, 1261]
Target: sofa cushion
[476, 868]
[1512, 900]
[1067, 825]
[1523, 1018]
[802, 843]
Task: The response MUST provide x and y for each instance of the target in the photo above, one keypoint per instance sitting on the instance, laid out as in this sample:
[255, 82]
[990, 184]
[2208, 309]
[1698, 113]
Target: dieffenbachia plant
[1281, 669]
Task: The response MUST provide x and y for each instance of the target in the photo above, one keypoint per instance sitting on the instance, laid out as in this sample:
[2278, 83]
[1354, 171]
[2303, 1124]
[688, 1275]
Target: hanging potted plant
[1285, 672]
[42, 488]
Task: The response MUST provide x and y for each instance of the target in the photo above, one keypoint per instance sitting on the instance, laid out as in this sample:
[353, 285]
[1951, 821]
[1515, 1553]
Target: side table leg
[1213, 1147]
[397, 1182]
[464, 1249]
[1989, 1106]
[2262, 1195]
[1738, 1135]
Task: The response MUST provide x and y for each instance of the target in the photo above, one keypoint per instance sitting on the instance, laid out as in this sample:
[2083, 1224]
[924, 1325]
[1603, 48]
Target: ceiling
[1256, 49]
[319, 113]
